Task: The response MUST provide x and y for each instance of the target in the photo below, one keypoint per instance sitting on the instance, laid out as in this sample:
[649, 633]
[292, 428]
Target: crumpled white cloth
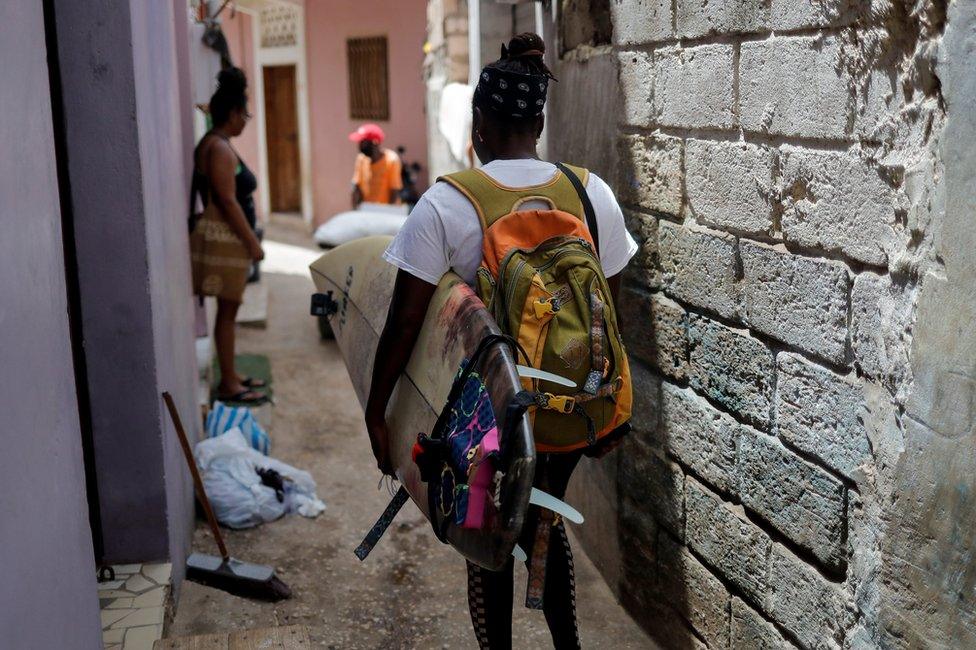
[228, 466]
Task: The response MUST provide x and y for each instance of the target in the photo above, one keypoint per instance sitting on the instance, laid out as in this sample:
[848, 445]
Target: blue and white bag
[223, 418]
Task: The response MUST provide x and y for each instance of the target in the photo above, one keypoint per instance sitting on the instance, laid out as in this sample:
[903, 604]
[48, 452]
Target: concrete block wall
[781, 164]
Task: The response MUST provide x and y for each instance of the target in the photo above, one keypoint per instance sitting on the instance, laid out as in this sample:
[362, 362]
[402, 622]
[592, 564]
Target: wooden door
[281, 131]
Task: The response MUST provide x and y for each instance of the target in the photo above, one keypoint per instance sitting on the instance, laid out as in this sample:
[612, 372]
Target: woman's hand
[254, 249]
[379, 438]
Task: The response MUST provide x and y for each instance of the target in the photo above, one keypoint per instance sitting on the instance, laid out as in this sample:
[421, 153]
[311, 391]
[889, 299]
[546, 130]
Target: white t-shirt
[443, 231]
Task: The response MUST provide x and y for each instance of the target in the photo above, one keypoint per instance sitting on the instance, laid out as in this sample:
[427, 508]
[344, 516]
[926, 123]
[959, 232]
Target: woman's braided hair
[231, 94]
[524, 55]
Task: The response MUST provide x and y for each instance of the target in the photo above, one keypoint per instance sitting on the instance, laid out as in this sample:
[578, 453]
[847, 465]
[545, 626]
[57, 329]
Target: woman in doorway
[444, 233]
[223, 242]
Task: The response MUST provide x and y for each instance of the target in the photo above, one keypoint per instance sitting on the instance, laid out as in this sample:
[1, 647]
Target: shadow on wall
[633, 498]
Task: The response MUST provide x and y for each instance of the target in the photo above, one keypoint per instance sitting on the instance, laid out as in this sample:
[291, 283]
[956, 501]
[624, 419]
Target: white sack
[347, 226]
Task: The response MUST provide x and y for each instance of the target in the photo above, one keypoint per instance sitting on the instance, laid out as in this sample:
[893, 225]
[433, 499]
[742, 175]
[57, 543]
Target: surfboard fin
[323, 304]
[535, 373]
[519, 554]
[545, 500]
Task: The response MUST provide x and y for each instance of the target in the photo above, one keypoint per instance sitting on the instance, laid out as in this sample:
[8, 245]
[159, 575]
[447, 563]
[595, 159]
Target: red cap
[368, 132]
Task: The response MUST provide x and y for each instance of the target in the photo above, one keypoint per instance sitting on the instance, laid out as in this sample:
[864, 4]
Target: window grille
[369, 86]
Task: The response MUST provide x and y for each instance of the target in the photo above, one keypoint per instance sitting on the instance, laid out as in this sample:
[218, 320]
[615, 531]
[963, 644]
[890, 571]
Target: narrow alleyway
[411, 592]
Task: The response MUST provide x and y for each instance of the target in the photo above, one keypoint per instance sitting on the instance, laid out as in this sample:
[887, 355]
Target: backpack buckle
[545, 307]
[561, 403]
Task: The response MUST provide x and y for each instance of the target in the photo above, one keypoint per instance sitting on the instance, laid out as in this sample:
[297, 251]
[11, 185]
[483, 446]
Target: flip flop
[242, 397]
[252, 382]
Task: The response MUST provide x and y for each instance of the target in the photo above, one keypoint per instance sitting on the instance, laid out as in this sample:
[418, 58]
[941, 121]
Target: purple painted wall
[49, 594]
[126, 159]
[165, 182]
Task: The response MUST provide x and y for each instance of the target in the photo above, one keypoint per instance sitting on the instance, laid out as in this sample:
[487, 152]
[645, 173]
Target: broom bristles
[273, 589]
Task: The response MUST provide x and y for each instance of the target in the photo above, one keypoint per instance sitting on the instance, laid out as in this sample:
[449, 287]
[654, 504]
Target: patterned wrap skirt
[220, 261]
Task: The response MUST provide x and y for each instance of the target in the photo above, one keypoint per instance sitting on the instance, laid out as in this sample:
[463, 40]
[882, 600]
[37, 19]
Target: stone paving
[133, 605]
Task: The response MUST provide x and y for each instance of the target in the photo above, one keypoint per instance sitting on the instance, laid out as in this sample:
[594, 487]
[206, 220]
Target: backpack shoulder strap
[489, 200]
[579, 177]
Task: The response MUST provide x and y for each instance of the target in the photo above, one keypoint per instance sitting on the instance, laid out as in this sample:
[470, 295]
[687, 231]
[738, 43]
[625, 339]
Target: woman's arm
[411, 296]
[223, 162]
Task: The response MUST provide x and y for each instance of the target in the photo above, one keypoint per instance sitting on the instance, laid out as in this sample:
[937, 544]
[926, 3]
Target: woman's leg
[490, 592]
[224, 330]
[559, 599]
[490, 602]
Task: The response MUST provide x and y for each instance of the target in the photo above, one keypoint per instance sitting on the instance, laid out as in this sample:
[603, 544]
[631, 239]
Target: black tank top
[244, 184]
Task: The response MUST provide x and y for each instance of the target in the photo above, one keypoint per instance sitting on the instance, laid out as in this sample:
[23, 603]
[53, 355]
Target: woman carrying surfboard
[544, 246]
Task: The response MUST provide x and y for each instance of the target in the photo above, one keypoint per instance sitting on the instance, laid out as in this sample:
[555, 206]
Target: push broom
[224, 572]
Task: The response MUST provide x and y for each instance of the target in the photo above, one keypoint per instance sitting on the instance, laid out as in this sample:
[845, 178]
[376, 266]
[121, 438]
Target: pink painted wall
[328, 23]
[238, 29]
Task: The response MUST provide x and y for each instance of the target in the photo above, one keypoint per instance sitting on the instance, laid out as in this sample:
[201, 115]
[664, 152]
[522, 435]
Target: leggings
[490, 592]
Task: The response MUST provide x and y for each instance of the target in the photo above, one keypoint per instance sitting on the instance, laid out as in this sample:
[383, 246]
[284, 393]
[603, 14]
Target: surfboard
[361, 282]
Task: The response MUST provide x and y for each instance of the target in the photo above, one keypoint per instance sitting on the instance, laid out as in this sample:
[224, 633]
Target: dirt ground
[411, 592]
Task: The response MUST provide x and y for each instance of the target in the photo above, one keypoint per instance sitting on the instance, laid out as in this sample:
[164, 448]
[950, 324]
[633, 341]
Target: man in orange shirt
[376, 178]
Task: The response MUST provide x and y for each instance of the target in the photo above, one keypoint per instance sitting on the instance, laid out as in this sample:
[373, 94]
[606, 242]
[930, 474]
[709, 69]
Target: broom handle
[197, 483]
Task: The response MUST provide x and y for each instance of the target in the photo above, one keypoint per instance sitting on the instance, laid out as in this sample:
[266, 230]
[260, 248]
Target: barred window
[369, 85]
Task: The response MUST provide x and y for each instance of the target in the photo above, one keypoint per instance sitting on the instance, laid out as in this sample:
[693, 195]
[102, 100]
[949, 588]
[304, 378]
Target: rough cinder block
[731, 368]
[640, 21]
[693, 591]
[650, 172]
[654, 483]
[878, 105]
[634, 317]
[815, 610]
[803, 502]
[837, 202]
[697, 18]
[726, 541]
[638, 548]
[655, 331]
[729, 185]
[693, 86]
[881, 321]
[646, 410]
[643, 228]
[699, 268]
[643, 269]
[636, 86]
[790, 86]
[804, 14]
[669, 336]
[820, 412]
[798, 300]
[750, 631]
[699, 436]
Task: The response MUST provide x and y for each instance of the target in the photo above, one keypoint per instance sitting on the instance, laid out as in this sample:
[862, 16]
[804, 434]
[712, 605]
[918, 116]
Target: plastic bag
[223, 418]
[365, 222]
[228, 466]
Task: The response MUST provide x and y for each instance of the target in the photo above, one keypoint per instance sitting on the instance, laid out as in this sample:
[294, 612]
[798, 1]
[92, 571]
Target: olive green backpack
[542, 280]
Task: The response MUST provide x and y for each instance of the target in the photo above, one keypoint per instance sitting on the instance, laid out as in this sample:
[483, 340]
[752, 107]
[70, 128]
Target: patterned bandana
[512, 93]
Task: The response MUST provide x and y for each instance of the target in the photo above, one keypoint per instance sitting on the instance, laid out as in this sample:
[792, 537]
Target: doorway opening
[281, 135]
